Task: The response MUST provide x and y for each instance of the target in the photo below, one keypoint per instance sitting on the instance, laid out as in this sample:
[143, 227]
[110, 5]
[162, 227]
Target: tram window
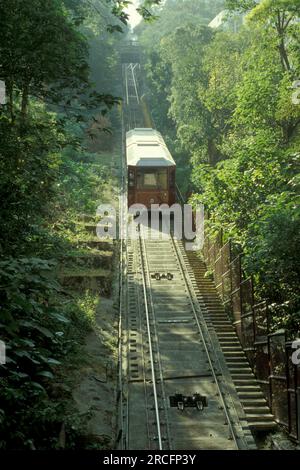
[131, 179]
[152, 179]
[162, 179]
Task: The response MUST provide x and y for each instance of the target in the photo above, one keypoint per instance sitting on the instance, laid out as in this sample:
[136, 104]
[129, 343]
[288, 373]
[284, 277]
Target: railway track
[132, 102]
[168, 348]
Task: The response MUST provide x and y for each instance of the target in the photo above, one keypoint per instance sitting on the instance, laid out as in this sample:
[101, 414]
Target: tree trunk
[212, 153]
[283, 55]
[281, 26]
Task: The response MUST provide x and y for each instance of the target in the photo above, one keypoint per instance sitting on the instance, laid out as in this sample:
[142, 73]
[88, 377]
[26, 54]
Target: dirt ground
[95, 392]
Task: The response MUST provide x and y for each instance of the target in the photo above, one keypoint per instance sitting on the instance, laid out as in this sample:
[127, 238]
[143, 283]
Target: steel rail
[129, 70]
[153, 375]
[144, 368]
[228, 419]
[135, 83]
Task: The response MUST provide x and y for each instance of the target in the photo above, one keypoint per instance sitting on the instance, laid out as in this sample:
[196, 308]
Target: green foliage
[44, 54]
[39, 149]
[175, 13]
[186, 64]
[41, 328]
[240, 5]
[28, 167]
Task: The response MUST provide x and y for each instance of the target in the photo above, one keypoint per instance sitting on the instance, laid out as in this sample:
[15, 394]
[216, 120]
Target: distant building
[218, 20]
[227, 22]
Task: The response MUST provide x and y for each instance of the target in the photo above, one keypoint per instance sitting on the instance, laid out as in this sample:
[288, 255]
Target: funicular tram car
[151, 169]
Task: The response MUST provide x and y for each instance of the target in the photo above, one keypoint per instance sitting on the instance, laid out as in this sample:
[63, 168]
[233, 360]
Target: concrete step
[252, 418]
[211, 296]
[226, 334]
[211, 303]
[235, 353]
[205, 282]
[241, 375]
[248, 388]
[206, 285]
[245, 369]
[254, 402]
[220, 328]
[248, 395]
[230, 339]
[242, 366]
[225, 328]
[231, 349]
[219, 318]
[262, 425]
[238, 358]
[206, 288]
[217, 313]
[233, 342]
[256, 410]
[212, 307]
[247, 382]
[217, 310]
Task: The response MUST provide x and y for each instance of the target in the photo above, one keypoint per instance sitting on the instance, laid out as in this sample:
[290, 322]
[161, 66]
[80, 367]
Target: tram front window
[152, 179]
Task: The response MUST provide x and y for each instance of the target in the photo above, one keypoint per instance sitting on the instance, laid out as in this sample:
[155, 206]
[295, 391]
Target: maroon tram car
[151, 169]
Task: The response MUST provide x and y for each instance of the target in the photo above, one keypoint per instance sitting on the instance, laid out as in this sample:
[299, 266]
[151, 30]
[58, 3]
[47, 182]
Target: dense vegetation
[59, 61]
[229, 112]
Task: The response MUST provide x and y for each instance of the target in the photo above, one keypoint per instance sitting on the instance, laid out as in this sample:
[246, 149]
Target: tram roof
[146, 147]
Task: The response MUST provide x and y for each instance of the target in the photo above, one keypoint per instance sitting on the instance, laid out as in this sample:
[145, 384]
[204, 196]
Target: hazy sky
[134, 16]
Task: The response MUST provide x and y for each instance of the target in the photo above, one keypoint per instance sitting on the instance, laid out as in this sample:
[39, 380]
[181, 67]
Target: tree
[280, 14]
[175, 13]
[222, 64]
[240, 5]
[194, 126]
[43, 63]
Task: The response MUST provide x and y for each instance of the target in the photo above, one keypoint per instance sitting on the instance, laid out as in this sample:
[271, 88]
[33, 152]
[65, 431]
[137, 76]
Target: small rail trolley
[151, 169]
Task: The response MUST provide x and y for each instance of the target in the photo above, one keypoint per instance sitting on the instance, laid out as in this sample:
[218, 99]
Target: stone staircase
[255, 405]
